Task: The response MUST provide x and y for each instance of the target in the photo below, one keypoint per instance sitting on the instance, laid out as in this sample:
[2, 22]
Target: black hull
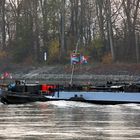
[98, 102]
[8, 97]
[111, 102]
[21, 98]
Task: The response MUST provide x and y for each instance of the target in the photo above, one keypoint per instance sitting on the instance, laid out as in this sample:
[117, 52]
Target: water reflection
[69, 121]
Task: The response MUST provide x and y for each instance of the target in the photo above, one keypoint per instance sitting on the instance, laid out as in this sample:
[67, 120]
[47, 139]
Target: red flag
[6, 75]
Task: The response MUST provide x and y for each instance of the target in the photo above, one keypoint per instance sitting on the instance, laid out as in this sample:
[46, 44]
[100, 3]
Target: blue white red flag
[75, 58]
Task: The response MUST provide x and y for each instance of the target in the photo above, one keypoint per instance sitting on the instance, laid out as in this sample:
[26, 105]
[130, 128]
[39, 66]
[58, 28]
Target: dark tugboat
[20, 92]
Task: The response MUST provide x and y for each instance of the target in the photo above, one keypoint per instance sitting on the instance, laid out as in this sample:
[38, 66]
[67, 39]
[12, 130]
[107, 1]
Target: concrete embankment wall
[83, 75]
[77, 79]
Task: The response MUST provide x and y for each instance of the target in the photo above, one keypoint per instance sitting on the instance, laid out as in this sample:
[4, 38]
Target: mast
[73, 66]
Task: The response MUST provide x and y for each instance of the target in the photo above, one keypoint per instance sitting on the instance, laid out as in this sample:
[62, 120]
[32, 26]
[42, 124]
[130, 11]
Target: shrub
[54, 51]
[3, 54]
[107, 58]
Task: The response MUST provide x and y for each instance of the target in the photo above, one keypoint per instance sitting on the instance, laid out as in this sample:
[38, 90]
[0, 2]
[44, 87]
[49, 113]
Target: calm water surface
[62, 120]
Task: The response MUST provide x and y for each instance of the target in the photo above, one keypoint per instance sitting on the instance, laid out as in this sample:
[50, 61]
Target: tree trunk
[62, 38]
[36, 32]
[3, 25]
[45, 36]
[137, 48]
[99, 10]
[110, 31]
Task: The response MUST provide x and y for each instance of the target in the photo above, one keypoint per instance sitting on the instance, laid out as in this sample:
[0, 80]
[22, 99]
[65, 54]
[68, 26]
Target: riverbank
[82, 73]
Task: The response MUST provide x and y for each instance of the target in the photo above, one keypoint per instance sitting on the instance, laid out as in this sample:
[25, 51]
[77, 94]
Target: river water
[63, 120]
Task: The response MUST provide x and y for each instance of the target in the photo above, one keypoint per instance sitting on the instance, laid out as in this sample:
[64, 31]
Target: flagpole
[71, 79]
[72, 72]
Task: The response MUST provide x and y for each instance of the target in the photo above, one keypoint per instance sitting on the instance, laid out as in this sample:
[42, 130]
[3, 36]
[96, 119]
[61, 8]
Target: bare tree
[62, 27]
[131, 12]
[101, 19]
[110, 31]
[3, 24]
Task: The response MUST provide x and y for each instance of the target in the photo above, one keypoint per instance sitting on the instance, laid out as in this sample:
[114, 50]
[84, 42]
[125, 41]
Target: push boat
[117, 93]
[19, 93]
